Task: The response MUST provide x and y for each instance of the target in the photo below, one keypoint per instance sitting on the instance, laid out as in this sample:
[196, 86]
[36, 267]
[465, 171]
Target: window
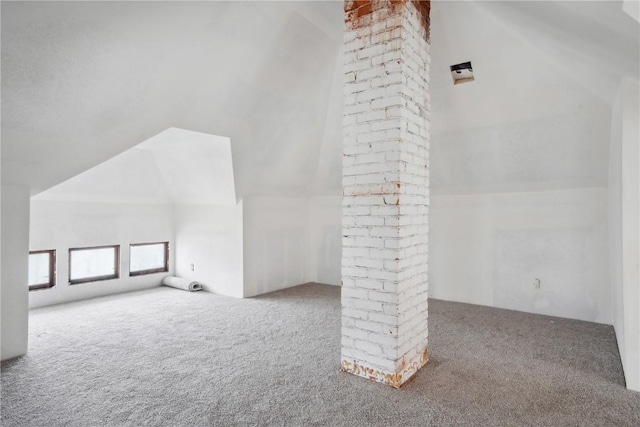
[147, 258]
[93, 264]
[42, 269]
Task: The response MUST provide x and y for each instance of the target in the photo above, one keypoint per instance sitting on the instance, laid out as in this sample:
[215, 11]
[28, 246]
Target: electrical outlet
[536, 283]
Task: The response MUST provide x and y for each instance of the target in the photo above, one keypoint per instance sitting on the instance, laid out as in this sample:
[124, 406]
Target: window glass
[41, 269]
[148, 258]
[90, 264]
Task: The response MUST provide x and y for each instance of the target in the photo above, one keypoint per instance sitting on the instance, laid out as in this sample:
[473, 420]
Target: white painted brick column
[385, 189]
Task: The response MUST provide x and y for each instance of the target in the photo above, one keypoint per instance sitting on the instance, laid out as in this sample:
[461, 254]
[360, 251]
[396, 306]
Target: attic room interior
[400, 212]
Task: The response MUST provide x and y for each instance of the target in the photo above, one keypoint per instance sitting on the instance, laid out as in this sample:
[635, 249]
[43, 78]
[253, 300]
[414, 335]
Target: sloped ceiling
[176, 166]
[84, 81]
[537, 116]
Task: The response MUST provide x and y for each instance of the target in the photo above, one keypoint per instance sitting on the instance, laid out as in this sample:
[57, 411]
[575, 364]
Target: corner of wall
[209, 246]
[14, 294]
[275, 243]
[624, 227]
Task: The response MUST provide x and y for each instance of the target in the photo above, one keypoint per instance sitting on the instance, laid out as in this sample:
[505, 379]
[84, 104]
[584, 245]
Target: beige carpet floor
[165, 357]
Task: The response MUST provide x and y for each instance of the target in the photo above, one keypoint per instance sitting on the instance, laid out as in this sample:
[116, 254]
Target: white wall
[276, 241]
[325, 249]
[210, 238]
[488, 249]
[62, 225]
[614, 207]
[624, 224]
[519, 156]
[14, 289]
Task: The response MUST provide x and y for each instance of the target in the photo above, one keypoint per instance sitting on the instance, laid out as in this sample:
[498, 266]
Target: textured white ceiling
[175, 166]
[84, 81]
[537, 116]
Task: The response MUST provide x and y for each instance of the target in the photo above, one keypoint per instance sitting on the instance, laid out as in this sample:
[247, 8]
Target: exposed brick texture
[385, 189]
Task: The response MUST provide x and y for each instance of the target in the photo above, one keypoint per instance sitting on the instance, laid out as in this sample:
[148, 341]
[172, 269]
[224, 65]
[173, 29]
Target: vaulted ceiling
[85, 81]
[537, 115]
[176, 166]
